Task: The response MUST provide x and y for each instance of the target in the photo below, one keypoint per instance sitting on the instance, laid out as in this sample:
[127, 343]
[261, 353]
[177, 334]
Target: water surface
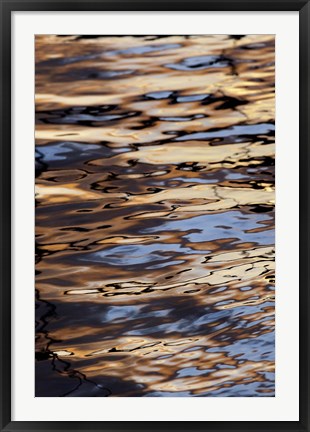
[155, 216]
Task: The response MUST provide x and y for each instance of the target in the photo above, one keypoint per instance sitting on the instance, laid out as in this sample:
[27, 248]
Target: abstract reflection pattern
[155, 216]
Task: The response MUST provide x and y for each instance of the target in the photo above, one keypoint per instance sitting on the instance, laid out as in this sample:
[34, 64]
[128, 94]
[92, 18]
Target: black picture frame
[7, 7]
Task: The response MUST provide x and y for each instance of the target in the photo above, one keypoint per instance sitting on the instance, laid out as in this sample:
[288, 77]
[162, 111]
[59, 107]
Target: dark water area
[155, 216]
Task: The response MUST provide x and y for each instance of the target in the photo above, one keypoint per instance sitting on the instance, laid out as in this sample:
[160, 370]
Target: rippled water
[155, 216]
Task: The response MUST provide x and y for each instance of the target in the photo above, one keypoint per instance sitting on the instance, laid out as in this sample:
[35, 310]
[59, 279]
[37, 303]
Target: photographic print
[155, 230]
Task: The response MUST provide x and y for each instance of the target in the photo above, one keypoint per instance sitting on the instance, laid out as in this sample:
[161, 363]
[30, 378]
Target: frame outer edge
[5, 215]
[304, 165]
[5, 206]
[159, 5]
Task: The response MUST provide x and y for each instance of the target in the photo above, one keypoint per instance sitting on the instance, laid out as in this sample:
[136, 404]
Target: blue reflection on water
[199, 63]
[233, 224]
[60, 150]
[137, 254]
[256, 129]
[144, 49]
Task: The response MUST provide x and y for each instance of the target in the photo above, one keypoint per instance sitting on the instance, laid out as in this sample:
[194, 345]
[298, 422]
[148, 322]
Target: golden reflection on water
[155, 215]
